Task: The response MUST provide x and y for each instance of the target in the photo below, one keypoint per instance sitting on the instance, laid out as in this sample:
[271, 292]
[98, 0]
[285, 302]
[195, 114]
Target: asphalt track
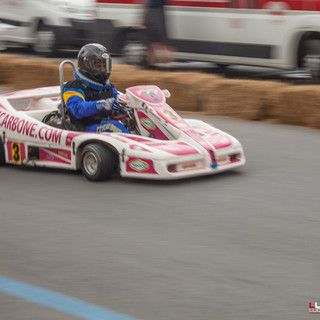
[238, 245]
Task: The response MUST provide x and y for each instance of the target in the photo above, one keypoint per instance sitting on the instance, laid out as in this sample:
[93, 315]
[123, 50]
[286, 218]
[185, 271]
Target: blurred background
[224, 37]
[238, 245]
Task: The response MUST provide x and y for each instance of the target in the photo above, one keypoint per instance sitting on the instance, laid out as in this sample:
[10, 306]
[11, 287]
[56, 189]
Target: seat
[65, 119]
[54, 119]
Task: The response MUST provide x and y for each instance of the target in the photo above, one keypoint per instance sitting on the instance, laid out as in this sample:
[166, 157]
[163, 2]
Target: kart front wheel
[98, 162]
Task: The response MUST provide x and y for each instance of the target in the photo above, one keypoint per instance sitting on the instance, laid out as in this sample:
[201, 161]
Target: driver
[91, 98]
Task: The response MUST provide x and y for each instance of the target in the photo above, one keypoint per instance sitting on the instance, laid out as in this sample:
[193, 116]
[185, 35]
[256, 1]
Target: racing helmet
[94, 62]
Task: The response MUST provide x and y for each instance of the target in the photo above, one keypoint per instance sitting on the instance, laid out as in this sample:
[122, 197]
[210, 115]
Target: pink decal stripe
[70, 138]
[199, 139]
[149, 94]
[55, 155]
[185, 3]
[220, 140]
[137, 139]
[150, 126]
[178, 149]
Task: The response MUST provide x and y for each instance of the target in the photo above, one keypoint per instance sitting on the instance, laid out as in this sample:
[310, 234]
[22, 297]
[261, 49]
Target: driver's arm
[75, 101]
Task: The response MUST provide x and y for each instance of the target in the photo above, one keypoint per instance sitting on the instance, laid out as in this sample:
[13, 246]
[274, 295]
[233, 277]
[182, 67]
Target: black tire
[222, 65]
[98, 162]
[2, 154]
[309, 57]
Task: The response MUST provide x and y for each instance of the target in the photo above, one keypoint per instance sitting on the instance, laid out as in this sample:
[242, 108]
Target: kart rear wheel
[2, 155]
[98, 162]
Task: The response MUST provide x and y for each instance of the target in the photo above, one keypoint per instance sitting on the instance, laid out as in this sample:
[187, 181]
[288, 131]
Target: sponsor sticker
[223, 159]
[139, 165]
[148, 124]
[171, 115]
[149, 93]
[189, 166]
[63, 154]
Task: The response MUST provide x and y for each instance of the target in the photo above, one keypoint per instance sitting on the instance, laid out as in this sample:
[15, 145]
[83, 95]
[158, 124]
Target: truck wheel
[98, 162]
[310, 57]
[45, 40]
[222, 65]
[134, 51]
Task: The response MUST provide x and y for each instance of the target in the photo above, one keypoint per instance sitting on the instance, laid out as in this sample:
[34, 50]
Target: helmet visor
[102, 64]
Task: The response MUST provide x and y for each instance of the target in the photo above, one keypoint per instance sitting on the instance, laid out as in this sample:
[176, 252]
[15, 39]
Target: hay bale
[299, 105]
[186, 87]
[243, 99]
[7, 65]
[19, 73]
[125, 76]
[191, 91]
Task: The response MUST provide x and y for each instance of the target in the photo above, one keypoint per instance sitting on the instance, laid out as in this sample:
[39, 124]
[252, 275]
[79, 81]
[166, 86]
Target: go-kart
[35, 131]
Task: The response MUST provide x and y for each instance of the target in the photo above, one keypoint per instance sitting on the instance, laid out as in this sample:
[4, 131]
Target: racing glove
[110, 104]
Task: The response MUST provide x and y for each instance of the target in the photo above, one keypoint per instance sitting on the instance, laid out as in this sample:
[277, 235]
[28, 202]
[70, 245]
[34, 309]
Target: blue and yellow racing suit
[80, 97]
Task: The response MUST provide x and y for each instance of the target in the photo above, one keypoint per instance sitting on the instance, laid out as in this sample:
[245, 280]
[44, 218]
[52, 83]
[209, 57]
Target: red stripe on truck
[182, 3]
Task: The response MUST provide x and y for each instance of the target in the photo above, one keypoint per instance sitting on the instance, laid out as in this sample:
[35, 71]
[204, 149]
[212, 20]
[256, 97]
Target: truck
[282, 34]
[46, 26]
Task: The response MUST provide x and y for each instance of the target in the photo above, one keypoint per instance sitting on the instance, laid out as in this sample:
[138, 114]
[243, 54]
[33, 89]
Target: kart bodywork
[162, 145]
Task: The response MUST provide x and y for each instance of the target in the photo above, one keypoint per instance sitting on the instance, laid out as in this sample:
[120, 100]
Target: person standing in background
[157, 41]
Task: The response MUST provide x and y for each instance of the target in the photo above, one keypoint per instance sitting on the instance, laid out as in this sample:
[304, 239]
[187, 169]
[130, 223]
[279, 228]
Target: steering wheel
[118, 117]
[121, 113]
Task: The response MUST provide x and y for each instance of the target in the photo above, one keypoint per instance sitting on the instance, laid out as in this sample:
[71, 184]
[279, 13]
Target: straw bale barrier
[198, 92]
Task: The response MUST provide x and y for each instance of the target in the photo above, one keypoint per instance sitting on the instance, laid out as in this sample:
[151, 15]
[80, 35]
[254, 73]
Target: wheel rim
[312, 63]
[134, 52]
[90, 163]
[2, 45]
[44, 41]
